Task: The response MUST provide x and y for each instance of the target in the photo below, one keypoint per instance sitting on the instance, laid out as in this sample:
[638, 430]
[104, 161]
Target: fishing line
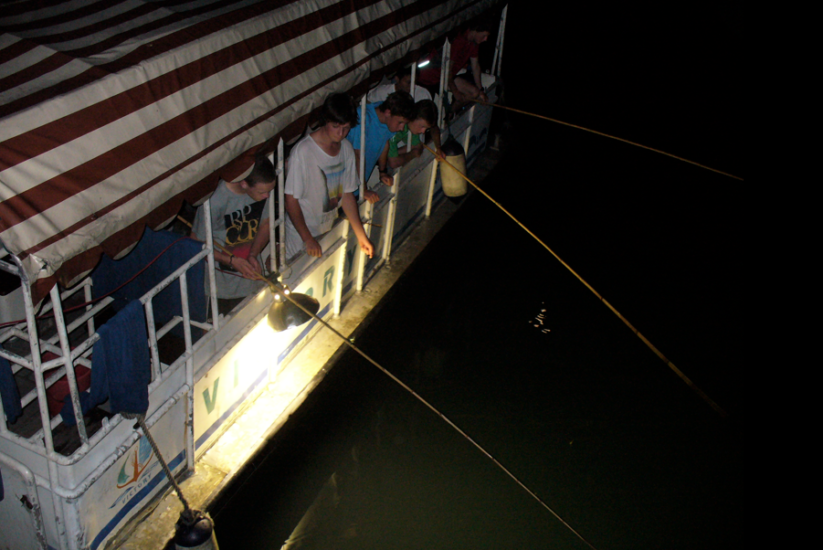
[438, 413]
[609, 136]
[645, 340]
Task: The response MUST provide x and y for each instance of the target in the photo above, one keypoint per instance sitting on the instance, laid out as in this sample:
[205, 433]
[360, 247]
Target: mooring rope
[441, 415]
[645, 340]
[610, 137]
[187, 513]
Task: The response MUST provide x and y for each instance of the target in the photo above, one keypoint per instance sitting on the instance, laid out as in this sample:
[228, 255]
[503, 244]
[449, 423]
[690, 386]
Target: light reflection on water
[584, 414]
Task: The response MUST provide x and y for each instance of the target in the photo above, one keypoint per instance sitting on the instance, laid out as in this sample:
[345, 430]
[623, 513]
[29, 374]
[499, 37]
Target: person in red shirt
[464, 52]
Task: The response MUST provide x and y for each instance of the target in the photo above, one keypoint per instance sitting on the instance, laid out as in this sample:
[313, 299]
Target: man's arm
[402, 158]
[353, 214]
[246, 268]
[381, 166]
[261, 239]
[292, 205]
[478, 80]
[438, 149]
[369, 195]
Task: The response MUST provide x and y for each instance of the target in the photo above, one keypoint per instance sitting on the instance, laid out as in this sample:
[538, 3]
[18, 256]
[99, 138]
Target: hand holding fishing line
[248, 267]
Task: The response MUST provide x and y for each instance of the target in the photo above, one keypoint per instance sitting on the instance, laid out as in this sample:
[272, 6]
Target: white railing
[67, 357]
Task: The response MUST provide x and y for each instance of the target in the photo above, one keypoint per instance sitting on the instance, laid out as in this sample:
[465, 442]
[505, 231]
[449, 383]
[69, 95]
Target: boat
[112, 118]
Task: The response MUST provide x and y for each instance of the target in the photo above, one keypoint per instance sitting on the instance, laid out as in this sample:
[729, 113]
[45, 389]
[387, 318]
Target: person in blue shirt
[382, 121]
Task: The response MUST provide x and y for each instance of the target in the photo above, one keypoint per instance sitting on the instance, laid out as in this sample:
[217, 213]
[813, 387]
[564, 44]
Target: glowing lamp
[291, 311]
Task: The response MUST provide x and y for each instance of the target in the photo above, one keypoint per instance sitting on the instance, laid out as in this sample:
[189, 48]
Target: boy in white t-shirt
[322, 177]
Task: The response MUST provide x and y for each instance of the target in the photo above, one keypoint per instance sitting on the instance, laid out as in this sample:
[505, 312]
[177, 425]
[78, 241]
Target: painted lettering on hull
[328, 280]
[210, 398]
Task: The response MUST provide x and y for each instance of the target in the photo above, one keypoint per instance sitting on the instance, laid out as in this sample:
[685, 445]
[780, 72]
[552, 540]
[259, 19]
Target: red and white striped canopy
[114, 112]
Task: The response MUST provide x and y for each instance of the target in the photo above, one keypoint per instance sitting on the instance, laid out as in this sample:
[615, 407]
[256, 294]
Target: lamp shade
[285, 314]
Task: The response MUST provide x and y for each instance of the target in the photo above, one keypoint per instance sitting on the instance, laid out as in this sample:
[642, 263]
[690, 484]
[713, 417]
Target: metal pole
[444, 70]
[444, 74]
[215, 316]
[502, 40]
[362, 166]
[361, 256]
[281, 210]
[341, 267]
[65, 349]
[361, 267]
[432, 182]
[413, 79]
[467, 141]
[87, 294]
[34, 344]
[184, 302]
[31, 495]
[273, 221]
[388, 230]
[152, 333]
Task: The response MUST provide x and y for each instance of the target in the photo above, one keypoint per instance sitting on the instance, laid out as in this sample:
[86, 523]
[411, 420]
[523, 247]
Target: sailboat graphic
[131, 470]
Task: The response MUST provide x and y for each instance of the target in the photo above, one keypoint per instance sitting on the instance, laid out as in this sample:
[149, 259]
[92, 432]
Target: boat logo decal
[134, 473]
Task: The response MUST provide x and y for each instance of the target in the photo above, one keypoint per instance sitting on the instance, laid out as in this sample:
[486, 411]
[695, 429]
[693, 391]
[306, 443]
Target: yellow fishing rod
[645, 340]
[610, 137]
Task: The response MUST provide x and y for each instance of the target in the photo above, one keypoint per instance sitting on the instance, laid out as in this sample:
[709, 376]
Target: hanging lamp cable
[645, 340]
[610, 137]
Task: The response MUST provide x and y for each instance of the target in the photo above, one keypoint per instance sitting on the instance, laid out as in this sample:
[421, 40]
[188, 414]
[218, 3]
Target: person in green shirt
[424, 118]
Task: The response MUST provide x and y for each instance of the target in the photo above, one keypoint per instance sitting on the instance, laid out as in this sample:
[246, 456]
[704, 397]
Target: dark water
[584, 413]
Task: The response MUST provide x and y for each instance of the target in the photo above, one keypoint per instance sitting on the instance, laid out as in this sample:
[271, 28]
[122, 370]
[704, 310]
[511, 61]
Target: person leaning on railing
[238, 212]
[322, 178]
[381, 121]
[464, 55]
[424, 119]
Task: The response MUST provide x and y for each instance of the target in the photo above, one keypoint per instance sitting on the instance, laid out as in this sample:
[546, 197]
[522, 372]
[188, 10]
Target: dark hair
[400, 104]
[427, 110]
[405, 71]
[339, 108]
[263, 172]
[482, 24]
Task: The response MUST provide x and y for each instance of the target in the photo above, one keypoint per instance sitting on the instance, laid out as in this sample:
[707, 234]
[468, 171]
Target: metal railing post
[467, 141]
[215, 315]
[184, 302]
[274, 253]
[34, 343]
[362, 163]
[341, 266]
[501, 40]
[65, 348]
[388, 230]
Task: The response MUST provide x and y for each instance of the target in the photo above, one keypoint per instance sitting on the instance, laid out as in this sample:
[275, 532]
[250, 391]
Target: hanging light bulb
[285, 313]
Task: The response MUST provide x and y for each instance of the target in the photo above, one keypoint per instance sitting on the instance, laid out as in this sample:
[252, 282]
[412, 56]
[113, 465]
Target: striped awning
[114, 112]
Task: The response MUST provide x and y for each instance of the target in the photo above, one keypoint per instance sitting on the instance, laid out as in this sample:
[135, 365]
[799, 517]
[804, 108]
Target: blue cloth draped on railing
[9, 392]
[120, 366]
[110, 274]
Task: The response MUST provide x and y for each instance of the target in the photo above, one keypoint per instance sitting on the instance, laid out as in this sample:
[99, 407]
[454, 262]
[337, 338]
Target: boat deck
[247, 435]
